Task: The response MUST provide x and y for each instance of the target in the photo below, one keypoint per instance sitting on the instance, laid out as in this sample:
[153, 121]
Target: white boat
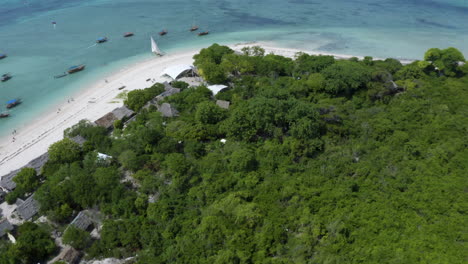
[154, 48]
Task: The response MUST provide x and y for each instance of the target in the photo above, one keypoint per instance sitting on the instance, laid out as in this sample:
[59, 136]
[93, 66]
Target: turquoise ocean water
[38, 51]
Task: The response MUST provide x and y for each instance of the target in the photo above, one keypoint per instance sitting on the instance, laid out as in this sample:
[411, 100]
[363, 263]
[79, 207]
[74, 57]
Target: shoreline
[99, 98]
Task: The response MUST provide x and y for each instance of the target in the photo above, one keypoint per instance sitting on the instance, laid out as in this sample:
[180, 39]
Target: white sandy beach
[96, 101]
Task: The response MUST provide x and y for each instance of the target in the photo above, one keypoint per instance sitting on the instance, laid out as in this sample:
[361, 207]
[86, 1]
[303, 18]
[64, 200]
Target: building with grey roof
[7, 183]
[120, 113]
[27, 209]
[167, 110]
[223, 104]
[85, 219]
[79, 140]
[69, 255]
[5, 227]
[167, 93]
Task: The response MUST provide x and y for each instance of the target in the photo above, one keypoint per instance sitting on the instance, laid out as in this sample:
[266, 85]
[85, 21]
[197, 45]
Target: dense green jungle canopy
[325, 161]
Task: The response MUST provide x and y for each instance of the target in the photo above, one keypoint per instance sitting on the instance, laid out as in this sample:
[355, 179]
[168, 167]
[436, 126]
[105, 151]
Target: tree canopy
[316, 160]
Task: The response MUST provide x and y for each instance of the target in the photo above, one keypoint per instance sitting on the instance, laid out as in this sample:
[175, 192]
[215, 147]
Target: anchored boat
[203, 33]
[101, 40]
[13, 103]
[4, 115]
[5, 77]
[194, 28]
[74, 69]
[128, 34]
[2, 56]
[162, 33]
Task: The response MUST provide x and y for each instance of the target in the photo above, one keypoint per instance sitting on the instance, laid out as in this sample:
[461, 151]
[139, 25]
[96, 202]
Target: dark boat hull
[9, 106]
[203, 33]
[129, 34]
[3, 56]
[162, 33]
[101, 40]
[80, 68]
[194, 29]
[5, 78]
[4, 115]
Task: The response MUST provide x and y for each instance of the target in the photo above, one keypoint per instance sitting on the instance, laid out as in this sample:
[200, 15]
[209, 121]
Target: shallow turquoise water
[38, 51]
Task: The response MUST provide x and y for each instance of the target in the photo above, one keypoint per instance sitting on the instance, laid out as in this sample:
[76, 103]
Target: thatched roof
[85, 219]
[107, 121]
[5, 226]
[70, 255]
[27, 209]
[167, 93]
[79, 140]
[7, 182]
[223, 104]
[168, 110]
[167, 86]
[122, 112]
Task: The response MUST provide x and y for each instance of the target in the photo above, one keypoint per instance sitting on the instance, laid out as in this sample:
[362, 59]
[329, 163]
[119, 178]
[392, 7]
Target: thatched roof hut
[27, 209]
[6, 181]
[167, 110]
[120, 113]
[5, 226]
[223, 104]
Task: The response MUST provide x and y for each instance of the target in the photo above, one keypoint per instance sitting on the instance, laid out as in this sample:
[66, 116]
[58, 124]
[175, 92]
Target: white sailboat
[154, 48]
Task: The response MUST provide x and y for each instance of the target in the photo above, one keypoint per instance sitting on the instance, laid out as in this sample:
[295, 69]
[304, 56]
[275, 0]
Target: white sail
[154, 47]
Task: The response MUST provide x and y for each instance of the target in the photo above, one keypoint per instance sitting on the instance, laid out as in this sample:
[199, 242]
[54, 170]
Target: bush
[76, 237]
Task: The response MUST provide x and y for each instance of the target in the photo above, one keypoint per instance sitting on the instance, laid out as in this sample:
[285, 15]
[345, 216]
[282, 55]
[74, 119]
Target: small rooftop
[79, 140]
[6, 181]
[223, 104]
[27, 209]
[167, 110]
[85, 219]
[107, 121]
[5, 226]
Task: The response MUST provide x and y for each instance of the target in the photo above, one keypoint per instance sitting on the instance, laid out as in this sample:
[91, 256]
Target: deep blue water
[37, 51]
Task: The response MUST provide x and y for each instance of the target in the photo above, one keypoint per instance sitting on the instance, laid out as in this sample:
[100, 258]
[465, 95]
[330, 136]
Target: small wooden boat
[13, 103]
[4, 115]
[2, 56]
[122, 87]
[60, 75]
[128, 34]
[203, 33]
[5, 77]
[194, 28]
[162, 33]
[74, 69]
[101, 40]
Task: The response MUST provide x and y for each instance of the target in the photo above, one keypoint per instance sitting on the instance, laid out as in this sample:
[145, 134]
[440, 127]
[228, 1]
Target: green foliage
[208, 63]
[209, 113]
[26, 182]
[136, 99]
[357, 162]
[445, 60]
[64, 151]
[118, 124]
[179, 84]
[346, 77]
[33, 244]
[75, 237]
[308, 64]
